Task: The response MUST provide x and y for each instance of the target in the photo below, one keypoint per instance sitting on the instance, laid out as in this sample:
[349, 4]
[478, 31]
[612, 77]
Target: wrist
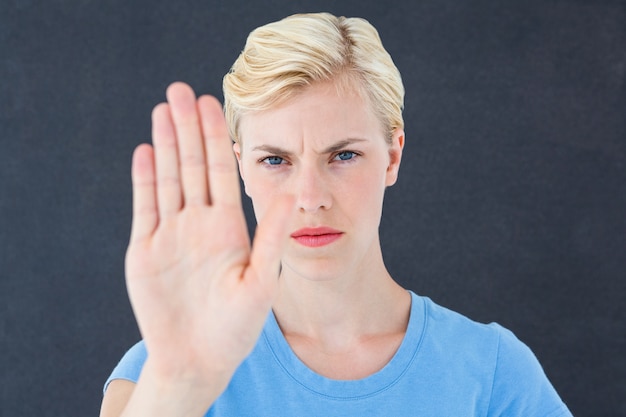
[157, 394]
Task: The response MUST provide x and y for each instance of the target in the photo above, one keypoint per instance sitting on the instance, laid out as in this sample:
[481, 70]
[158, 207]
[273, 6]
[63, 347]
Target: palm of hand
[199, 293]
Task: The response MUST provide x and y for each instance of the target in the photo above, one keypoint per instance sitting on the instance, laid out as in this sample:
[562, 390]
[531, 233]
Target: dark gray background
[511, 203]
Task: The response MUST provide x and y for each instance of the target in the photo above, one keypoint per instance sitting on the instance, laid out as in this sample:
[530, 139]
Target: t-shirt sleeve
[520, 386]
[130, 366]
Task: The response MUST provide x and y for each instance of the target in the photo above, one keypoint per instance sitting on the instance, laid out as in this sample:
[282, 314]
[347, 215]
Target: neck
[342, 309]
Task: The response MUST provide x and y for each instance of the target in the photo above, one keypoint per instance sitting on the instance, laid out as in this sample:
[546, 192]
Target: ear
[237, 150]
[395, 156]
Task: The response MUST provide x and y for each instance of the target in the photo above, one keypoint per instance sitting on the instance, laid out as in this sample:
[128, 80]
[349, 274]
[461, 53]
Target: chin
[314, 270]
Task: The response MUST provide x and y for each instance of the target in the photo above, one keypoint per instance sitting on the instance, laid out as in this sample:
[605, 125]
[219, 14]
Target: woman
[307, 321]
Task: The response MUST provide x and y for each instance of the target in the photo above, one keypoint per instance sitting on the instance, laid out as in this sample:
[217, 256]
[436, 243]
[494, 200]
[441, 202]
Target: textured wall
[511, 203]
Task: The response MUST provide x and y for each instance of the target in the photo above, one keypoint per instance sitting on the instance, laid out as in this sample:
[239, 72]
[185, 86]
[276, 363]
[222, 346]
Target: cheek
[261, 191]
[362, 192]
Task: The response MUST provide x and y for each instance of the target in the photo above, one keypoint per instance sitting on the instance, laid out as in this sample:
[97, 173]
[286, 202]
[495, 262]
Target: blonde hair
[282, 58]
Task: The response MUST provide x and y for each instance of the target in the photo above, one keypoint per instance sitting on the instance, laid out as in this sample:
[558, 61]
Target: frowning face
[327, 149]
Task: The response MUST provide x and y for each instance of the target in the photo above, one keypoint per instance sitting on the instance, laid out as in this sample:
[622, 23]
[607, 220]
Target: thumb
[270, 240]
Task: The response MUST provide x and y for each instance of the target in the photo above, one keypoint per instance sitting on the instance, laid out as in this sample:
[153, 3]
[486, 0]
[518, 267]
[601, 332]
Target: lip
[316, 236]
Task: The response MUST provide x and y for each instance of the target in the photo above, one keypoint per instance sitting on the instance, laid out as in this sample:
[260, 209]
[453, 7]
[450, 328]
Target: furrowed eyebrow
[342, 144]
[271, 149]
[331, 149]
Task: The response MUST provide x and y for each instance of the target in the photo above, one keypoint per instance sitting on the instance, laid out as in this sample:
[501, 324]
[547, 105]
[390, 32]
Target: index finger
[223, 176]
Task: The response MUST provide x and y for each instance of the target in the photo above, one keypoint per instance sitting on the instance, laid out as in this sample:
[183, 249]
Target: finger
[169, 196]
[222, 174]
[190, 146]
[145, 216]
[270, 240]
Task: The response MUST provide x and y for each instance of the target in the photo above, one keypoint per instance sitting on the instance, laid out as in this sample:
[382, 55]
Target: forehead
[321, 113]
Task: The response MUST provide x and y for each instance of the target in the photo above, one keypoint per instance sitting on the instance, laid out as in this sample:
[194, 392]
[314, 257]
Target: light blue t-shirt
[447, 365]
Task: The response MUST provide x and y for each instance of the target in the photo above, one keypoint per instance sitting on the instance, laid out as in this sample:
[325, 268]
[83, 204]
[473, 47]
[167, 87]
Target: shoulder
[445, 324]
[130, 366]
[450, 327]
[510, 372]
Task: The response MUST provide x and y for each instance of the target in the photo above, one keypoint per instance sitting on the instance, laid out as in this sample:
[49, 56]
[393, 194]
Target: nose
[312, 190]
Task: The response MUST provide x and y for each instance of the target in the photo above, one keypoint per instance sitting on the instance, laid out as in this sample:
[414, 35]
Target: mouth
[316, 236]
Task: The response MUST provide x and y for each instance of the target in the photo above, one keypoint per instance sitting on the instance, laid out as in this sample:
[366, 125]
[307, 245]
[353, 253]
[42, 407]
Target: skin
[200, 292]
[329, 151]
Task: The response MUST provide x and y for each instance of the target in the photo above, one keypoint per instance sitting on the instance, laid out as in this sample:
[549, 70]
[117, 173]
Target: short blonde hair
[282, 58]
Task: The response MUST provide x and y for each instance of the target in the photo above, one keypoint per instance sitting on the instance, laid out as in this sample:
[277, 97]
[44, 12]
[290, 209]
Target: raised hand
[199, 293]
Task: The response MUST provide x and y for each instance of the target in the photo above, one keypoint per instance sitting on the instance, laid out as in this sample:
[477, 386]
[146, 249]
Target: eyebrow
[331, 149]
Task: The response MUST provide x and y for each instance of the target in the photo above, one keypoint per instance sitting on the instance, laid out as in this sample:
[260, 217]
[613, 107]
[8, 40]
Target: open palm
[199, 293]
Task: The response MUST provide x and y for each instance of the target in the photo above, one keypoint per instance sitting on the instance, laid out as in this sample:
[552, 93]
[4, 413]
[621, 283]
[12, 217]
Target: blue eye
[345, 155]
[273, 160]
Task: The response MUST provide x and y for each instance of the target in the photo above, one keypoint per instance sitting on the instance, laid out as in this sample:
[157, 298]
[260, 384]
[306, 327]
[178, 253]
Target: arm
[200, 294]
[117, 395]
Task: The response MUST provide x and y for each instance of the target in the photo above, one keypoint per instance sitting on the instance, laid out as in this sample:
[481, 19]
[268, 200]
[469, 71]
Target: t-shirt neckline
[350, 389]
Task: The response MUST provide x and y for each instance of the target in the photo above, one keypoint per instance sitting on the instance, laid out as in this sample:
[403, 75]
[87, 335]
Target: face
[328, 150]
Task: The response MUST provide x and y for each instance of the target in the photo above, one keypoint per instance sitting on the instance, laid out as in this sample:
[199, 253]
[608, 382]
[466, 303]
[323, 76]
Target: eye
[345, 156]
[273, 160]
